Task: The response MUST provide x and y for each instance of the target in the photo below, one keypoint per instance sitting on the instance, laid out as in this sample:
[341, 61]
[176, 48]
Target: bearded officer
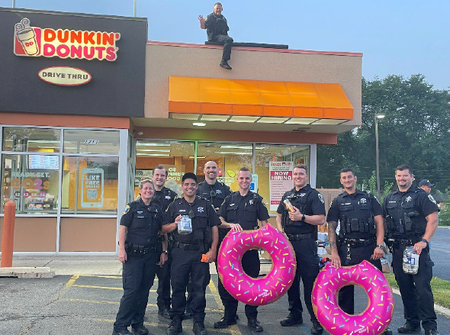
[411, 220]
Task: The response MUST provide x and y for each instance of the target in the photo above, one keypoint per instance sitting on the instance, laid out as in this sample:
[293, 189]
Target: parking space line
[68, 285]
[102, 276]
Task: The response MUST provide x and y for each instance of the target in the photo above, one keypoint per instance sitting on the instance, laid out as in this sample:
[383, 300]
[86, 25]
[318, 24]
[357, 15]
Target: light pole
[377, 150]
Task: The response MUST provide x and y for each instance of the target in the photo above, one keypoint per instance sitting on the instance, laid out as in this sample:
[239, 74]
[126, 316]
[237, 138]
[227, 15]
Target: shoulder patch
[431, 198]
[126, 210]
[322, 200]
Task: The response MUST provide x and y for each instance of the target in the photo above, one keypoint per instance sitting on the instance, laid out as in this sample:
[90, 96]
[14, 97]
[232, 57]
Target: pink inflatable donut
[256, 291]
[378, 314]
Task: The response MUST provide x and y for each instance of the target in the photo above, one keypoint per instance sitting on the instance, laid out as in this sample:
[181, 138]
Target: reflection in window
[272, 152]
[31, 139]
[230, 157]
[177, 158]
[90, 185]
[91, 141]
[31, 181]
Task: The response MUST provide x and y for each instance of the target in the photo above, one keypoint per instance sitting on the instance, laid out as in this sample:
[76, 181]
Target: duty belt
[401, 242]
[358, 242]
[299, 237]
[187, 246]
[138, 250]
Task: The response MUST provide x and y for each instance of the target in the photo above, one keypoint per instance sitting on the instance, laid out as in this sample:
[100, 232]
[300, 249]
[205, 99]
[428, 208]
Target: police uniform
[143, 253]
[245, 210]
[216, 194]
[303, 238]
[217, 31]
[187, 253]
[405, 214]
[357, 235]
[163, 198]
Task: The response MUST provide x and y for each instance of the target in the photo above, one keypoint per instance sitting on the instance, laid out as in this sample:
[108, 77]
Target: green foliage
[370, 185]
[414, 132]
[444, 215]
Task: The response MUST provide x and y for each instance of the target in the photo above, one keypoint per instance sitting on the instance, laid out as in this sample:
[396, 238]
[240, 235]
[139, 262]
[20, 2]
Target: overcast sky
[396, 37]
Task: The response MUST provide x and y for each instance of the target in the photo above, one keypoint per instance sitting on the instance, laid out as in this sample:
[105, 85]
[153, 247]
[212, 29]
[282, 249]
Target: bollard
[8, 234]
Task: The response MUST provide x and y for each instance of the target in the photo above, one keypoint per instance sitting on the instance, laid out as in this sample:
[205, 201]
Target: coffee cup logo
[27, 37]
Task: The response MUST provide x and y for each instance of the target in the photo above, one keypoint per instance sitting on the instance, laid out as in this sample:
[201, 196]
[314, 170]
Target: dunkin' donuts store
[89, 106]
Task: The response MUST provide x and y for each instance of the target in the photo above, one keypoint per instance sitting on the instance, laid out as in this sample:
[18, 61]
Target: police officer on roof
[163, 197]
[217, 30]
[187, 259]
[361, 234]
[300, 225]
[241, 211]
[411, 220]
[139, 251]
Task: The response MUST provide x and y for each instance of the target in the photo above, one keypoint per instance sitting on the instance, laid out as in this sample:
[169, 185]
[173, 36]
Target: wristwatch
[303, 217]
[381, 246]
[424, 240]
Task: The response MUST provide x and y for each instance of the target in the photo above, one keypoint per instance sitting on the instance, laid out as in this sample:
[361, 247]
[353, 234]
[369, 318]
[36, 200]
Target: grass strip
[440, 288]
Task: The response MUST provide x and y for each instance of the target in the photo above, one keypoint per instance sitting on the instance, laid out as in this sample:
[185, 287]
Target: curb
[27, 272]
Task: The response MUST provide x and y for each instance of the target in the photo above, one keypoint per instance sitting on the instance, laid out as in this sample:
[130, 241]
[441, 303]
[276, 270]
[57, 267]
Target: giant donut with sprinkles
[256, 291]
[378, 314]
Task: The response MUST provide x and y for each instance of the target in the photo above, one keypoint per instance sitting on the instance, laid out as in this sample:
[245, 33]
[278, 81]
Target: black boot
[139, 330]
[388, 331]
[175, 326]
[431, 332]
[164, 312]
[121, 332]
[291, 320]
[316, 328]
[199, 328]
[409, 328]
[254, 325]
[225, 65]
[225, 322]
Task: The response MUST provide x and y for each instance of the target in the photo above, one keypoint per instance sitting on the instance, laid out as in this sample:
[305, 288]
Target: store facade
[72, 154]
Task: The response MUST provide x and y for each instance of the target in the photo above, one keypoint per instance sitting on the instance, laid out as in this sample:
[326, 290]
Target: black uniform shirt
[216, 193]
[201, 213]
[414, 199]
[216, 25]
[309, 202]
[143, 223]
[369, 202]
[164, 197]
[245, 210]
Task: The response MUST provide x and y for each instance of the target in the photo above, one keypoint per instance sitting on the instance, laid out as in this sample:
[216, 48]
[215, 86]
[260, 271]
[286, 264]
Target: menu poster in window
[280, 181]
[92, 182]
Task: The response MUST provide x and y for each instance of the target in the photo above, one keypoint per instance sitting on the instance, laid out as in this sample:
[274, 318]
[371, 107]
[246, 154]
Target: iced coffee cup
[27, 38]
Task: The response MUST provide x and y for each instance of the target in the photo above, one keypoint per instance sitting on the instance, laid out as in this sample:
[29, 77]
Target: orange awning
[239, 97]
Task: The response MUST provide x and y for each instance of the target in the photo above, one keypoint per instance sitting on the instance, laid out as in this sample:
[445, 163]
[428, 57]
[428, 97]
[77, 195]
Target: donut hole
[250, 263]
[361, 299]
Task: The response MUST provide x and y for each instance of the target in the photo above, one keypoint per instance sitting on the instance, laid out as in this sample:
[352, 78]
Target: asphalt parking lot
[87, 304]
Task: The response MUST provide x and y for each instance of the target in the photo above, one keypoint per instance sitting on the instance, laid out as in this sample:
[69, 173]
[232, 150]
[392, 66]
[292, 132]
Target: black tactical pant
[163, 291]
[307, 270]
[251, 266]
[357, 255]
[227, 43]
[138, 274]
[185, 265]
[418, 300]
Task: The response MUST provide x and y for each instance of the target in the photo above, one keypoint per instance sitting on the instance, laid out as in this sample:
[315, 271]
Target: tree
[416, 131]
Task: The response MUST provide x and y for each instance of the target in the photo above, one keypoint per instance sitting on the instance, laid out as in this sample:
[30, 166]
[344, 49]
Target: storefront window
[31, 139]
[91, 141]
[176, 156]
[275, 179]
[230, 157]
[89, 184]
[31, 181]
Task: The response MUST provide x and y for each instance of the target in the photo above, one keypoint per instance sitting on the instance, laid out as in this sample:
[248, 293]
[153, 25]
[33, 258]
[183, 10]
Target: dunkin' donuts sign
[64, 43]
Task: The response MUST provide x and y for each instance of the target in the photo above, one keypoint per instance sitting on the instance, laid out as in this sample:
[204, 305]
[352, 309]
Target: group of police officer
[182, 260]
